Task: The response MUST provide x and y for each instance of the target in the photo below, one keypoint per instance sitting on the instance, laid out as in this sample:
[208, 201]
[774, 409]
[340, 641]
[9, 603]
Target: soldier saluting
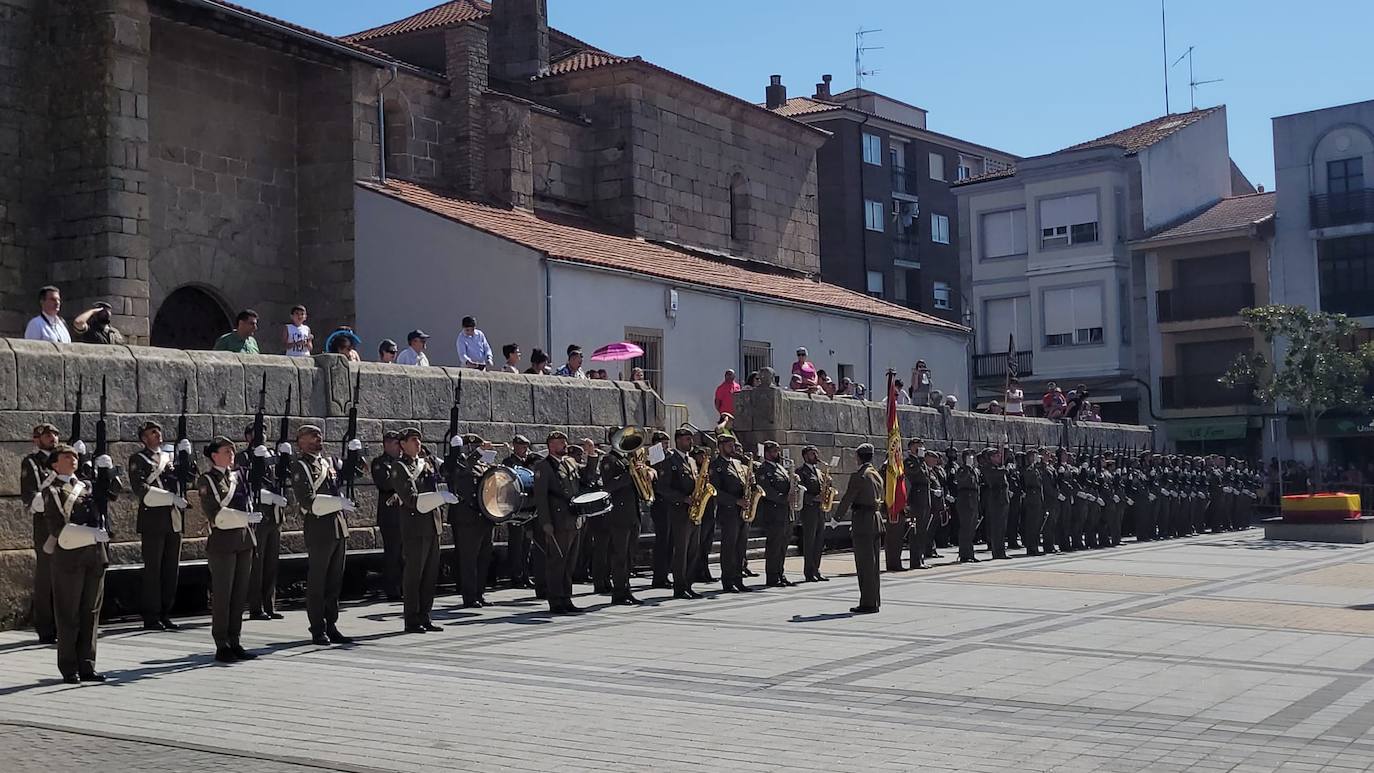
[35, 476]
[161, 522]
[862, 499]
[555, 486]
[227, 500]
[315, 482]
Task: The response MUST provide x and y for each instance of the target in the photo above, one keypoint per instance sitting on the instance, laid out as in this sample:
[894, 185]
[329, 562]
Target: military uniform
[812, 521]
[160, 522]
[673, 493]
[389, 525]
[555, 486]
[35, 476]
[472, 531]
[998, 502]
[594, 554]
[269, 502]
[78, 575]
[520, 538]
[229, 552]
[422, 523]
[728, 478]
[659, 513]
[315, 484]
[862, 499]
[775, 516]
[623, 522]
[969, 480]
[1032, 506]
[918, 503]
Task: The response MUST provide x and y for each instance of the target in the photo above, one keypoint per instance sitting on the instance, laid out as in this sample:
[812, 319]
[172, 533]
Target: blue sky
[1025, 77]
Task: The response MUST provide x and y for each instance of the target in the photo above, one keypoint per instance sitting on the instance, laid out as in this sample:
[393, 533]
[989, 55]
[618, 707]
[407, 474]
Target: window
[1004, 233]
[875, 284]
[873, 149]
[941, 295]
[1004, 318]
[1346, 275]
[1068, 220]
[937, 166]
[1345, 175]
[843, 371]
[939, 228]
[873, 216]
[964, 172]
[1123, 299]
[739, 205]
[757, 356]
[1073, 316]
[651, 341]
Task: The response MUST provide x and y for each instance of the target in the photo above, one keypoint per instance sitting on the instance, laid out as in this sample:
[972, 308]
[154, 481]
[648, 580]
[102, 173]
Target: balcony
[906, 248]
[1333, 209]
[995, 365]
[904, 181]
[1201, 392]
[1205, 301]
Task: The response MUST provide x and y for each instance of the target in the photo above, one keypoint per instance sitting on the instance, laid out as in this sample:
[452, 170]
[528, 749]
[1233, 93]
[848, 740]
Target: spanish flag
[894, 492]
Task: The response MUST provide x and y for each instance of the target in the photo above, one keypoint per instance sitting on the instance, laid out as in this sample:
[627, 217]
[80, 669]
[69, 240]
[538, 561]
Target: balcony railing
[906, 248]
[904, 181]
[1205, 301]
[1201, 392]
[995, 365]
[1332, 209]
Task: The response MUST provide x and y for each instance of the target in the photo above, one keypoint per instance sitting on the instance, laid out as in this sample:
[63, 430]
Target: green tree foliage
[1321, 368]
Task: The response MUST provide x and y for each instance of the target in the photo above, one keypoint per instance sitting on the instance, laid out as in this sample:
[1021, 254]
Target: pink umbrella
[617, 352]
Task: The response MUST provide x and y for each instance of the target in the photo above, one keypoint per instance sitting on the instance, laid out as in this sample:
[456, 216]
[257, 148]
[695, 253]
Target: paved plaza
[1219, 653]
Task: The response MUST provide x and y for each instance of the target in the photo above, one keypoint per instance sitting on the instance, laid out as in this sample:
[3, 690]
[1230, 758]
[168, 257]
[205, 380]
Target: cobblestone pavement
[1221, 653]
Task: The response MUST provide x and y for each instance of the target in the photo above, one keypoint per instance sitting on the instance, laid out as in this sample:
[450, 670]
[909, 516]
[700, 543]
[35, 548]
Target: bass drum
[505, 495]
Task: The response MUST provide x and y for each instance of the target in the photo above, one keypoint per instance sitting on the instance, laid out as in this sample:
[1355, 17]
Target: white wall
[1185, 171]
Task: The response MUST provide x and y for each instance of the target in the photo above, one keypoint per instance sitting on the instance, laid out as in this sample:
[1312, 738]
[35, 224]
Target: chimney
[519, 39]
[776, 92]
[823, 88]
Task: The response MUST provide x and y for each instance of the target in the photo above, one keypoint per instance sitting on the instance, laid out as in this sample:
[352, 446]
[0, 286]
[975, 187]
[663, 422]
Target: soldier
[78, 562]
[862, 499]
[555, 486]
[315, 483]
[677, 478]
[227, 502]
[271, 505]
[520, 538]
[812, 519]
[775, 514]
[415, 482]
[1033, 504]
[999, 500]
[731, 500]
[35, 475]
[1015, 463]
[389, 515]
[706, 531]
[160, 523]
[594, 560]
[659, 511]
[918, 501]
[969, 480]
[623, 521]
[472, 531]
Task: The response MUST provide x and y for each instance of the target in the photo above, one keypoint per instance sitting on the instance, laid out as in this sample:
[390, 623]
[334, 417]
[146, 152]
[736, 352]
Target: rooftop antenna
[859, 49]
[1193, 82]
[1164, 36]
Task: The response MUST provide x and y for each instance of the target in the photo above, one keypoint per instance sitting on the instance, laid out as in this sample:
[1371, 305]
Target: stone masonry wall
[24, 157]
[38, 382]
[415, 109]
[562, 163]
[837, 426]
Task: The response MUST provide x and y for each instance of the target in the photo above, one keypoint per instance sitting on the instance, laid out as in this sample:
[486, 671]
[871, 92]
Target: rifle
[257, 472]
[75, 439]
[183, 467]
[283, 473]
[452, 454]
[101, 491]
[350, 456]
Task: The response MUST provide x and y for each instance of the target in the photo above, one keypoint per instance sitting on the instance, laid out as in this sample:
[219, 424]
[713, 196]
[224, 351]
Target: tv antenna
[1193, 82]
[859, 49]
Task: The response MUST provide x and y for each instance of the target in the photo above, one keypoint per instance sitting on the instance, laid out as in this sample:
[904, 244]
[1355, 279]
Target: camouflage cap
[308, 429]
[43, 429]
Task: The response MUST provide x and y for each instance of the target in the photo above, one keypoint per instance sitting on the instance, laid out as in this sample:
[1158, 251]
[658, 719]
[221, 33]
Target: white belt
[229, 518]
[74, 536]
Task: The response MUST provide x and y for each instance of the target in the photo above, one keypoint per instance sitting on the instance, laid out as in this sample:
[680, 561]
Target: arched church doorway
[189, 318]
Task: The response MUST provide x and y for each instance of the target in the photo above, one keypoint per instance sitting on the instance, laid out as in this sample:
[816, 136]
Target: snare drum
[505, 494]
[591, 504]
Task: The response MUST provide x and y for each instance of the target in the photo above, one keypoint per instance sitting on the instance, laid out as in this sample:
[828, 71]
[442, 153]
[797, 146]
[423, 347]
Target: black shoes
[626, 600]
[337, 638]
[749, 572]
[70, 678]
[780, 582]
[92, 676]
[52, 639]
[663, 584]
[319, 639]
[259, 616]
[864, 610]
[226, 655]
[241, 653]
[742, 588]
[417, 628]
[566, 609]
[152, 625]
[431, 627]
[968, 560]
[168, 625]
[685, 594]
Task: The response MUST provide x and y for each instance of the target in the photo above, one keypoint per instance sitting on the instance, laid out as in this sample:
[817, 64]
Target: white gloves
[284, 449]
[271, 498]
[450, 498]
[36, 506]
[429, 501]
[260, 452]
[1100, 503]
[184, 445]
[179, 503]
[1062, 497]
[355, 445]
[456, 441]
[157, 497]
[349, 506]
[328, 505]
[79, 447]
[254, 519]
[102, 536]
[104, 462]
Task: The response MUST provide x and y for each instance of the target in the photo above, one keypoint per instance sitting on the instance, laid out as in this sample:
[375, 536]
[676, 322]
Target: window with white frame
[937, 166]
[757, 356]
[873, 215]
[1004, 233]
[651, 341]
[873, 149]
[940, 293]
[1005, 319]
[1073, 316]
[1068, 220]
[875, 284]
[939, 228]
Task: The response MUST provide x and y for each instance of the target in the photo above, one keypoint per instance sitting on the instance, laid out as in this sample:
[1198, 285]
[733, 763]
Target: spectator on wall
[512, 354]
[49, 325]
[995, 408]
[903, 396]
[240, 339]
[386, 352]
[296, 338]
[93, 326]
[573, 368]
[804, 369]
[414, 353]
[473, 349]
[752, 382]
[1077, 398]
[826, 384]
[342, 340]
[1054, 402]
[725, 392]
[1015, 397]
[637, 374]
[922, 381]
[539, 363]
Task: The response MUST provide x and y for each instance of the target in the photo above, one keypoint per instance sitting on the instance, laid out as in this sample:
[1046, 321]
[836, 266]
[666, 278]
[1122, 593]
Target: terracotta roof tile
[1227, 214]
[581, 245]
[806, 106]
[443, 15]
[1143, 135]
[585, 59]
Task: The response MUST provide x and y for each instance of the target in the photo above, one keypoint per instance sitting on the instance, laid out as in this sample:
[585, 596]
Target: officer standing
[35, 475]
[662, 518]
[623, 521]
[812, 519]
[79, 559]
[316, 486]
[969, 480]
[677, 479]
[1032, 504]
[706, 530]
[520, 537]
[271, 505]
[226, 500]
[389, 515]
[415, 482]
[775, 514]
[555, 486]
[862, 498]
[999, 500]
[731, 500]
[160, 523]
[472, 531]
[918, 503]
[597, 534]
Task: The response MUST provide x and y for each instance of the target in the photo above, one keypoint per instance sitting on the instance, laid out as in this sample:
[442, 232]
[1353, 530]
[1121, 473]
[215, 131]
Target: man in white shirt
[415, 353]
[49, 325]
[473, 349]
[573, 368]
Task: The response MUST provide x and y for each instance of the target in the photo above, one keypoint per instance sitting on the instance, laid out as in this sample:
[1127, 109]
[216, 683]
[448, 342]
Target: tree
[1321, 368]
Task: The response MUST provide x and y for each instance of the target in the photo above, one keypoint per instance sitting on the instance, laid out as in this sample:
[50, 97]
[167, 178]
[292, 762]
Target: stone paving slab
[1139, 658]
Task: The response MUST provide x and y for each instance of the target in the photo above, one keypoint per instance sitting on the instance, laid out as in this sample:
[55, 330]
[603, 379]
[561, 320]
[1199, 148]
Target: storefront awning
[1196, 430]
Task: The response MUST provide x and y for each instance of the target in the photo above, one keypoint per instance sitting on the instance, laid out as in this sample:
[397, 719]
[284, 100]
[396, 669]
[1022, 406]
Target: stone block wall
[837, 426]
[23, 247]
[415, 110]
[38, 382]
[562, 164]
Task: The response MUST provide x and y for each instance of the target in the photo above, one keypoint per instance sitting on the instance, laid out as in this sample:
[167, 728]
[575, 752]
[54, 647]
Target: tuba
[701, 495]
[828, 491]
[629, 443]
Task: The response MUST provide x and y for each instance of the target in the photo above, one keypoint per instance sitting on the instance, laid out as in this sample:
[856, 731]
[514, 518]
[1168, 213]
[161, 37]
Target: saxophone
[755, 492]
[701, 495]
[828, 491]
